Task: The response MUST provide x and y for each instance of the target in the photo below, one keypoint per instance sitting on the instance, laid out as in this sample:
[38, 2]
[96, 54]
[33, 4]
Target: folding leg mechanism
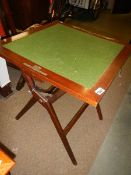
[49, 96]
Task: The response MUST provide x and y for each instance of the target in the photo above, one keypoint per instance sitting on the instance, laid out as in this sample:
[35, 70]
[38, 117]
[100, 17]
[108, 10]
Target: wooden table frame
[61, 85]
[50, 96]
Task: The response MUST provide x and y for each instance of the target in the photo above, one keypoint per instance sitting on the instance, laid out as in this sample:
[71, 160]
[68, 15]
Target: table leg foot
[30, 103]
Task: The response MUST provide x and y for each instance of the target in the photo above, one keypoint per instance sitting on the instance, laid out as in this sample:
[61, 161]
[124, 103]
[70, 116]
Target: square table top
[78, 57]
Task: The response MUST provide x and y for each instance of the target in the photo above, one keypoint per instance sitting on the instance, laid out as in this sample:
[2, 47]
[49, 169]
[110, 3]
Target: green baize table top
[73, 54]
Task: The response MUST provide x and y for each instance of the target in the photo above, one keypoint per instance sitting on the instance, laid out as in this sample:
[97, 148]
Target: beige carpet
[34, 141]
[114, 156]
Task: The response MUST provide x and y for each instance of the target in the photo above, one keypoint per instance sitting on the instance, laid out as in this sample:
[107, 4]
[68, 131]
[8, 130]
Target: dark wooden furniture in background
[6, 90]
[20, 15]
[26, 13]
[4, 9]
[122, 6]
[7, 28]
[7, 18]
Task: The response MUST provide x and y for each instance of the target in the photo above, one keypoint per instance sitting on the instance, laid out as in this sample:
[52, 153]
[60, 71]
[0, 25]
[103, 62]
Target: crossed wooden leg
[50, 96]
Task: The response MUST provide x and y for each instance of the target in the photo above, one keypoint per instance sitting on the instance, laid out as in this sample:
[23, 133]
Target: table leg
[60, 131]
[99, 112]
[46, 101]
[20, 83]
[30, 103]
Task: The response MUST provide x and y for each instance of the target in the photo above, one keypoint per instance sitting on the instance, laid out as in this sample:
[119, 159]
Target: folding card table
[73, 61]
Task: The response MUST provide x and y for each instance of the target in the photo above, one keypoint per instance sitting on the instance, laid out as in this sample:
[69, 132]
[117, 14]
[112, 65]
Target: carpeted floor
[33, 139]
[114, 156]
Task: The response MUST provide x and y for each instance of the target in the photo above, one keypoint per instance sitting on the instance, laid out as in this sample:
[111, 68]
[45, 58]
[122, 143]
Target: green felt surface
[73, 54]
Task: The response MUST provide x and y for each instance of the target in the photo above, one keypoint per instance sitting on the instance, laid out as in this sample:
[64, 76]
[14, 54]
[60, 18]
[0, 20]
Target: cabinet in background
[28, 12]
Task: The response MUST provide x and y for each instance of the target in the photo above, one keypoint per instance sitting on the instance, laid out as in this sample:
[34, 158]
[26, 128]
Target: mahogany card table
[73, 61]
